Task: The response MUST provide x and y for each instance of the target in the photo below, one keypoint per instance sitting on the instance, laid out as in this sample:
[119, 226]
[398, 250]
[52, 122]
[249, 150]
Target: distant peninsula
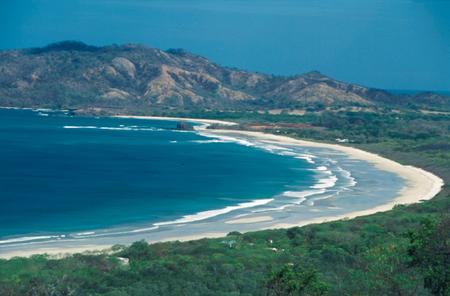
[135, 79]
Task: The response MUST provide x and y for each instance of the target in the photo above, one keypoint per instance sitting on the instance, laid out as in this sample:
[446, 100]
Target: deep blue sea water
[393, 44]
[63, 174]
[96, 181]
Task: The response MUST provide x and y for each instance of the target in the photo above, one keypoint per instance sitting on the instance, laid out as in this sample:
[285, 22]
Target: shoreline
[205, 122]
[420, 185]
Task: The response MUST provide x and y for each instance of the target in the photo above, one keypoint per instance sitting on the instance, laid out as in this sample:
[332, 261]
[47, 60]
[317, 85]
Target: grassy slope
[364, 256]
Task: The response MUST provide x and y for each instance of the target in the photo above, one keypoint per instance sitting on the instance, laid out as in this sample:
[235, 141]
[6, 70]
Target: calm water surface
[60, 173]
[393, 44]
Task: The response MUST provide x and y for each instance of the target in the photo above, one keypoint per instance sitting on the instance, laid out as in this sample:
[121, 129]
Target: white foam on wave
[243, 142]
[43, 110]
[228, 139]
[112, 128]
[144, 229]
[323, 170]
[115, 128]
[280, 150]
[85, 233]
[15, 108]
[302, 195]
[348, 175]
[209, 141]
[325, 182]
[280, 208]
[78, 126]
[275, 148]
[92, 234]
[322, 197]
[307, 157]
[311, 201]
[288, 153]
[329, 179]
[27, 239]
[212, 213]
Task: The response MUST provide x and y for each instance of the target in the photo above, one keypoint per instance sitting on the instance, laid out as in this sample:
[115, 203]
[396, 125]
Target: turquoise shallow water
[63, 174]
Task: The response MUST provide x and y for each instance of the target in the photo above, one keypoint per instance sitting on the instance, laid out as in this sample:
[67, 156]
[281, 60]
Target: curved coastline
[419, 185]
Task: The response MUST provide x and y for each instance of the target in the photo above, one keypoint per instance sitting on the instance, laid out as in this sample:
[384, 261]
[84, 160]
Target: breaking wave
[113, 128]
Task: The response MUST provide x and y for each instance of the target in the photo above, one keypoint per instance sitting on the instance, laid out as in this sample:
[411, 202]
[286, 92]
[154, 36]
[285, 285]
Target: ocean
[64, 174]
[67, 180]
[390, 44]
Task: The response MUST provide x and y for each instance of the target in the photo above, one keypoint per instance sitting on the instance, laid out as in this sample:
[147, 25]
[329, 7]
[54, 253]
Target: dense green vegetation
[405, 251]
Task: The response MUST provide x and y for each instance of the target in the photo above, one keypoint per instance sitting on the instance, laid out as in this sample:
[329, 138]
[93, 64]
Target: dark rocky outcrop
[184, 126]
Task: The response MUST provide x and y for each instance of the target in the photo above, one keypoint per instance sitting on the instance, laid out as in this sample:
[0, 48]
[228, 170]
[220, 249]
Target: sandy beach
[202, 121]
[420, 185]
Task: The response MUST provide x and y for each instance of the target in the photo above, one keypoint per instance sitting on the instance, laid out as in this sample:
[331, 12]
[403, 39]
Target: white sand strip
[203, 121]
[250, 220]
[56, 253]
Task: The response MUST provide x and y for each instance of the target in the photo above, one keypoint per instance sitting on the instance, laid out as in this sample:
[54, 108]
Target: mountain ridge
[132, 77]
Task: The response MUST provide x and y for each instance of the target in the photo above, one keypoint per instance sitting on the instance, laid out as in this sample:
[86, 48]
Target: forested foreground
[405, 251]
